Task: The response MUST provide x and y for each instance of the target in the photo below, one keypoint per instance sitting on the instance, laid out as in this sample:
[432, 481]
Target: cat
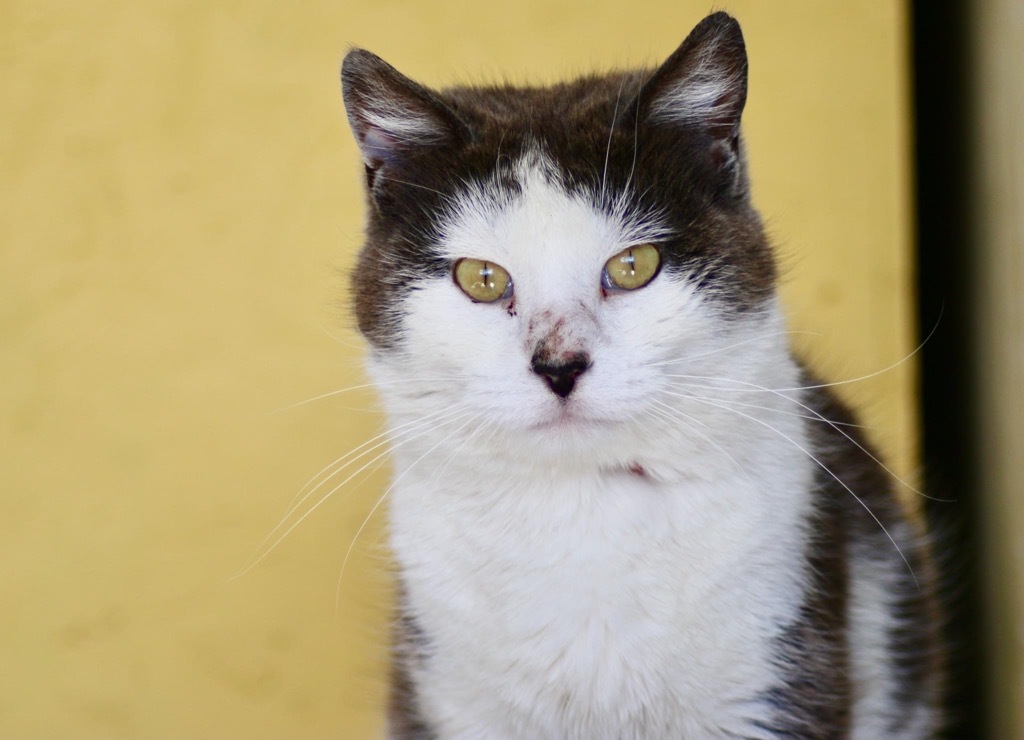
[621, 507]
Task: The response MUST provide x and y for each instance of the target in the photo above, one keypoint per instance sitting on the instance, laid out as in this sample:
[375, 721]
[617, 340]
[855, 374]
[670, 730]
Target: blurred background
[180, 204]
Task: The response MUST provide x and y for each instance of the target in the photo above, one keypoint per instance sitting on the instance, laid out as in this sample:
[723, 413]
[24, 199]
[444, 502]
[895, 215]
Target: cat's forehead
[526, 215]
[591, 101]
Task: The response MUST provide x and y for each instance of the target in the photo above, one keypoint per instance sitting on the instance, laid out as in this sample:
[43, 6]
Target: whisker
[847, 381]
[416, 185]
[837, 426]
[380, 500]
[726, 349]
[387, 435]
[254, 560]
[656, 417]
[674, 414]
[333, 335]
[824, 467]
[817, 417]
[727, 389]
[681, 413]
[636, 148]
[439, 472]
[895, 365]
[608, 147]
[351, 388]
[497, 159]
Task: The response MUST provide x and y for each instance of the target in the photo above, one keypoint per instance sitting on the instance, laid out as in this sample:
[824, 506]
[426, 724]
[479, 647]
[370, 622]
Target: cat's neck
[596, 553]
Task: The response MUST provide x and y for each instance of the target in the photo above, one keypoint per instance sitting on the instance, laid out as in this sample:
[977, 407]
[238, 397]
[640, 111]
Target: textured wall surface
[178, 197]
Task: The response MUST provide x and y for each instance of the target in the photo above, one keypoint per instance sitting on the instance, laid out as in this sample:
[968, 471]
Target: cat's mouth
[569, 417]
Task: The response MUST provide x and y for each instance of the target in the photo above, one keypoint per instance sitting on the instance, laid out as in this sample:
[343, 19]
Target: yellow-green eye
[632, 268]
[482, 281]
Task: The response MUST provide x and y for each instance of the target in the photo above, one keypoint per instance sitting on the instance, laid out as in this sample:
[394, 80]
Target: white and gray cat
[621, 507]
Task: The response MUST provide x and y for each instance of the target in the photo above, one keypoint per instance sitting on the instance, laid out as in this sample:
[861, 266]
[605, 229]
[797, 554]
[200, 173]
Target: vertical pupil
[630, 262]
[485, 275]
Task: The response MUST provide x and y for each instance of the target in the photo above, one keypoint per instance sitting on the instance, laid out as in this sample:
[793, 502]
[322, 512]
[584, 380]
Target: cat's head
[548, 255]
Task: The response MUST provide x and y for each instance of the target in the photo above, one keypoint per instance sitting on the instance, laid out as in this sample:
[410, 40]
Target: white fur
[384, 122]
[697, 96]
[874, 585]
[397, 118]
[565, 596]
[399, 124]
[871, 588]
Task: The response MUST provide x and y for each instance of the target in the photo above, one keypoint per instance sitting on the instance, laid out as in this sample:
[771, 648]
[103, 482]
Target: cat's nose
[561, 376]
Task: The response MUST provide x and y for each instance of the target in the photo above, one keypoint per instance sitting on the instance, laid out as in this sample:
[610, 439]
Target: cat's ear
[393, 117]
[703, 84]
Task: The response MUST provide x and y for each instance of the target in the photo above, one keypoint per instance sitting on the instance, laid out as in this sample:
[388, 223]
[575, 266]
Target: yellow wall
[178, 191]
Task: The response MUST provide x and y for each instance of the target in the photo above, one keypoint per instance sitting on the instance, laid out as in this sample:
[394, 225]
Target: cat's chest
[594, 609]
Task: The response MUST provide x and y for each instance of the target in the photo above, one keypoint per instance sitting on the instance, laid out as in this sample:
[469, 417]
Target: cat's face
[551, 257]
[562, 344]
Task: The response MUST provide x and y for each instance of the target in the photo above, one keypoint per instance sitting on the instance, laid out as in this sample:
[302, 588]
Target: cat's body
[620, 509]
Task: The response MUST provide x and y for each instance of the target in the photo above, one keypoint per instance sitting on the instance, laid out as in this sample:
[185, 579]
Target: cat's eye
[484, 282]
[632, 268]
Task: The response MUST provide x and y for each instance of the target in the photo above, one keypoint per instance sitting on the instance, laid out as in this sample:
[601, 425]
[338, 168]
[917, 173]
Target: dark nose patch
[561, 373]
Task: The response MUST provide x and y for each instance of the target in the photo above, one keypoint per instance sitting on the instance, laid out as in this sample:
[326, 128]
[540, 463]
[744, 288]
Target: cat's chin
[569, 418]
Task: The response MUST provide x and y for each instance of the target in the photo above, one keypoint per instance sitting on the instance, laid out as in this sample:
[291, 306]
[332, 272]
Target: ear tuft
[704, 82]
[392, 117]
